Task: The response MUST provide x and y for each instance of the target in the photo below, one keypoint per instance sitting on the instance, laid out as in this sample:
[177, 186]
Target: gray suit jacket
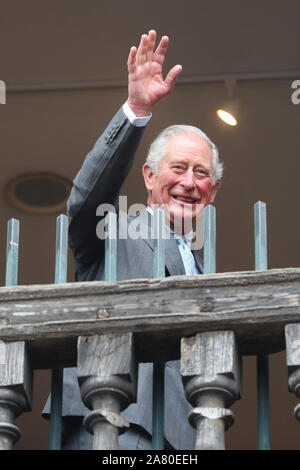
[99, 181]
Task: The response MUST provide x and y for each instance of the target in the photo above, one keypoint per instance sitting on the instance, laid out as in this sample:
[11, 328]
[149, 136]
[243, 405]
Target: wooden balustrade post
[211, 374]
[15, 390]
[292, 341]
[107, 375]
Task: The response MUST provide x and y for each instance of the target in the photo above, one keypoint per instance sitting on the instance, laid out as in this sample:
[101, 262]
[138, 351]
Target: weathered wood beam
[254, 305]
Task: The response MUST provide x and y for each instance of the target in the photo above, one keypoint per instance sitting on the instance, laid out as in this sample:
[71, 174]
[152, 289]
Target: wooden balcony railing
[106, 328]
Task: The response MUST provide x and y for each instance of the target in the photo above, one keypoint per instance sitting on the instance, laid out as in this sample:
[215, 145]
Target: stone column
[107, 375]
[15, 390]
[211, 374]
[292, 341]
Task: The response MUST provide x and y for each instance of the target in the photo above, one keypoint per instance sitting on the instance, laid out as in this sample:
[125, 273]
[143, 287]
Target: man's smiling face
[184, 183]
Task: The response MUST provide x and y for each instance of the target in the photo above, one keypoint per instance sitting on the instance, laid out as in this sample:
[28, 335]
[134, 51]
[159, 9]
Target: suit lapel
[173, 260]
[198, 261]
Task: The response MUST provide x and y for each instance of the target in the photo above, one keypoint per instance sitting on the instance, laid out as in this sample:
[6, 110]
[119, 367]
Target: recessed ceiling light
[38, 193]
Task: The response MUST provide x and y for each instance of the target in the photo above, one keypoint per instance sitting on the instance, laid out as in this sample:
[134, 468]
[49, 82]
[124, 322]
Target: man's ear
[214, 191]
[148, 177]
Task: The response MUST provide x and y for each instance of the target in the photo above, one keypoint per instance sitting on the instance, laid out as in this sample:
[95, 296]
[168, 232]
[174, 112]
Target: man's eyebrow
[178, 159]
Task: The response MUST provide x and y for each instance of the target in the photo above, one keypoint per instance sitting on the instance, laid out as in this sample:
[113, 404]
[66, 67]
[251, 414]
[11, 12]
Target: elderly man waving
[182, 173]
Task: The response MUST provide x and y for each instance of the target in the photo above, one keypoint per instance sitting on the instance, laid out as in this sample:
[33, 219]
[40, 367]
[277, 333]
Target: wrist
[138, 109]
[138, 121]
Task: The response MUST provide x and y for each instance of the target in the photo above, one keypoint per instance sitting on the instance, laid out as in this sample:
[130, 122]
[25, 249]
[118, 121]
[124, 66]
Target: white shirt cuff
[135, 120]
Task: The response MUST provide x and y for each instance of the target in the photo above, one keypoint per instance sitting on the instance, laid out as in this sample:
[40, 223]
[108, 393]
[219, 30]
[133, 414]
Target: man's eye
[178, 167]
[201, 172]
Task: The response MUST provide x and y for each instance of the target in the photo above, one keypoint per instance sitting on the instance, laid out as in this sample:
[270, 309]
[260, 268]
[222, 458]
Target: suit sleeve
[99, 181]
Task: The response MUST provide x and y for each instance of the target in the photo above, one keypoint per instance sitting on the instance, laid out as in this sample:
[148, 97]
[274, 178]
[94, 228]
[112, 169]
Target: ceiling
[64, 65]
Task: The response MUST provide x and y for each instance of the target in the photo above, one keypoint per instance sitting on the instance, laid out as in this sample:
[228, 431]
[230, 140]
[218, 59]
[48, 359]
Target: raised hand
[146, 85]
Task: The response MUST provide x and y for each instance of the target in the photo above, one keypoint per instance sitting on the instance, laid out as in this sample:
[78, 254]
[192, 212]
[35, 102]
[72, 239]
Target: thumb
[172, 76]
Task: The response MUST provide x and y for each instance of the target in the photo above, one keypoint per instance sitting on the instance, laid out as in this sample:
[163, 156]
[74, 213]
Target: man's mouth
[188, 200]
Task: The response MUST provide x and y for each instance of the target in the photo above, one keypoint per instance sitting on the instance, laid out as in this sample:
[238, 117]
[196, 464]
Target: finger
[151, 44]
[131, 62]
[172, 76]
[161, 50]
[142, 50]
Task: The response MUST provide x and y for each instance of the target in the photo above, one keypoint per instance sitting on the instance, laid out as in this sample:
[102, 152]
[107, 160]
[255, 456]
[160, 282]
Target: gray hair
[158, 148]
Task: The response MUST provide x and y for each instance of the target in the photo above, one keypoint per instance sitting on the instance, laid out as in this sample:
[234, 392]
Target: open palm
[146, 85]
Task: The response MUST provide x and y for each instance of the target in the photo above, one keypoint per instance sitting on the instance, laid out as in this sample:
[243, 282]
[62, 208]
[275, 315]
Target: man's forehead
[179, 144]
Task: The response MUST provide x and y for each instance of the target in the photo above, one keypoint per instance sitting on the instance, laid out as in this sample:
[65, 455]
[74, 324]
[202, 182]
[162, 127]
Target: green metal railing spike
[61, 261]
[158, 368]
[158, 434]
[61, 266]
[111, 247]
[159, 246]
[260, 227]
[261, 263]
[209, 240]
[12, 252]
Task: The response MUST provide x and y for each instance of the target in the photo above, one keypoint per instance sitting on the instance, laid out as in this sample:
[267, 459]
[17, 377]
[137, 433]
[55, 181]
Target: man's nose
[188, 180]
